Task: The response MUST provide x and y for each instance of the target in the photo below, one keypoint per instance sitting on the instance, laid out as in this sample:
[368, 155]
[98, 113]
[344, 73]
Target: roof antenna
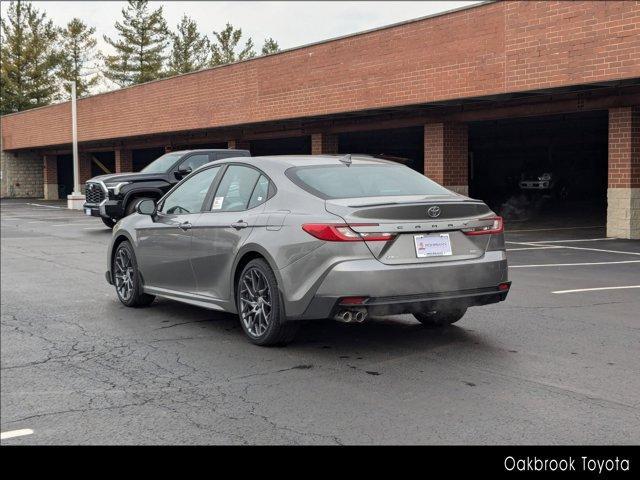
[346, 159]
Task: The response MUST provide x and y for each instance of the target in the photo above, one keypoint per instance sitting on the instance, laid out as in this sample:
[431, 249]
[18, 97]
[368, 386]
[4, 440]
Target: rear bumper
[406, 288]
[327, 307]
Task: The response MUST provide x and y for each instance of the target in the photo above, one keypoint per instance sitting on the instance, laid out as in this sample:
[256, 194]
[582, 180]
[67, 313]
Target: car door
[164, 243]
[220, 232]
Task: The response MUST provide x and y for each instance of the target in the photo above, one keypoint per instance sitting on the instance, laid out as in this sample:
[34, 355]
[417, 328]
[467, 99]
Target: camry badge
[434, 211]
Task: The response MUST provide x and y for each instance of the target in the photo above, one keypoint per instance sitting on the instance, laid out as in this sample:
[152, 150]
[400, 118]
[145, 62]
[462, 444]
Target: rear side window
[235, 189]
[340, 181]
[260, 192]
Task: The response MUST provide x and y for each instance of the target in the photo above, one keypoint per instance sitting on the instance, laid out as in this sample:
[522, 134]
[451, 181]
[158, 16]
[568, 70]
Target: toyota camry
[282, 239]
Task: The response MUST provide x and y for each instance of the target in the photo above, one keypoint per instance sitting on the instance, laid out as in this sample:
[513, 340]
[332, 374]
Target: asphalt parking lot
[557, 363]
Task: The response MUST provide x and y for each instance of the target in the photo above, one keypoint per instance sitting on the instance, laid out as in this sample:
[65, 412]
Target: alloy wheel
[255, 302]
[123, 274]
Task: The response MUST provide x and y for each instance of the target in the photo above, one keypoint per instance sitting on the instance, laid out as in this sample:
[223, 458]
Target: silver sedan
[287, 238]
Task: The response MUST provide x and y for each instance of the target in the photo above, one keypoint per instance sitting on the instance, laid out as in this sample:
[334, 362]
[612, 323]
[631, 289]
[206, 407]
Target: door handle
[239, 225]
[184, 226]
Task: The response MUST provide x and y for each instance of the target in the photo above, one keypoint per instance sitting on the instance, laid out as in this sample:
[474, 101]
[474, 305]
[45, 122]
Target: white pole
[74, 135]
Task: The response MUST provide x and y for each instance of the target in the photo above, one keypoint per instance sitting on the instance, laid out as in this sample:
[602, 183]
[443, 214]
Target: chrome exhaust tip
[344, 316]
[360, 316]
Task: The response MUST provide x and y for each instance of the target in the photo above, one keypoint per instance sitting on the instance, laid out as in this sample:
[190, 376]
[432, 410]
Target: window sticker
[217, 203]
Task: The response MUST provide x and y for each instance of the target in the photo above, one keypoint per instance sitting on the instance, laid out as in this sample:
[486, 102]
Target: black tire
[262, 327]
[133, 203]
[126, 277]
[108, 222]
[440, 318]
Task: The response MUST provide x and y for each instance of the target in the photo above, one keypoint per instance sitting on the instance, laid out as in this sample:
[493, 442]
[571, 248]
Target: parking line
[572, 240]
[15, 433]
[595, 289]
[577, 248]
[552, 229]
[572, 264]
[531, 248]
[45, 206]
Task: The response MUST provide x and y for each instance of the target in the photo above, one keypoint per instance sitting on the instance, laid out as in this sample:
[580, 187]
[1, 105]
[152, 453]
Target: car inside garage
[539, 168]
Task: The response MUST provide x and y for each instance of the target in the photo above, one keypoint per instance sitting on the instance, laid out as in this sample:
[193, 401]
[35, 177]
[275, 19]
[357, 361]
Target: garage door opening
[281, 146]
[404, 145]
[542, 168]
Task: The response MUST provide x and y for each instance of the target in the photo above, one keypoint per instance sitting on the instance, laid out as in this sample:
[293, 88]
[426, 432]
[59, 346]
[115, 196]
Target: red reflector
[504, 286]
[341, 232]
[352, 300]
[496, 227]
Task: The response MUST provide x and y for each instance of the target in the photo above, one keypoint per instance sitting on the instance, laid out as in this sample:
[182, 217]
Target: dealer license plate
[87, 211]
[433, 245]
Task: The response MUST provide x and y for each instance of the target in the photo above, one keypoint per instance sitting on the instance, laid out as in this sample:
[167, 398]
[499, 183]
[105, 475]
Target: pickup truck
[112, 197]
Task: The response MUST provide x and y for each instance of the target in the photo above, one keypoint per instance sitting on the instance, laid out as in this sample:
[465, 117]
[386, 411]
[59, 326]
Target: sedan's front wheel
[126, 277]
[260, 308]
[440, 318]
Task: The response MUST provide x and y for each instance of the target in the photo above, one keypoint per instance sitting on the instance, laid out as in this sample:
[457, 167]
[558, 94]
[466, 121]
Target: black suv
[112, 197]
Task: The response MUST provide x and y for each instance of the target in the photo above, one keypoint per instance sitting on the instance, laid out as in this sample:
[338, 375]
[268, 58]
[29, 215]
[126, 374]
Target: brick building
[468, 97]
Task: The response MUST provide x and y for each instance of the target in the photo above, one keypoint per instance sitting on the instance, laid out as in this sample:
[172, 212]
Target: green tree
[28, 58]
[223, 48]
[190, 49]
[140, 47]
[270, 46]
[77, 57]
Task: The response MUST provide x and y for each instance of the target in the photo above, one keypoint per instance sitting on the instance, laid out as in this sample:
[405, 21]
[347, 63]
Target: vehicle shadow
[378, 336]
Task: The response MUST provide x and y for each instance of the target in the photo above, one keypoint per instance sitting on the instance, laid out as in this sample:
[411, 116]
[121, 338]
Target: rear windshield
[163, 163]
[340, 181]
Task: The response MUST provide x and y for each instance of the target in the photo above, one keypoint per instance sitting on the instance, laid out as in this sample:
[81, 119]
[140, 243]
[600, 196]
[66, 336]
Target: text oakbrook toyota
[569, 464]
[287, 238]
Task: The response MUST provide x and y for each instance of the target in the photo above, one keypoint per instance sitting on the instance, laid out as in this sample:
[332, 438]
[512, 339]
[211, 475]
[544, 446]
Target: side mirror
[183, 172]
[146, 207]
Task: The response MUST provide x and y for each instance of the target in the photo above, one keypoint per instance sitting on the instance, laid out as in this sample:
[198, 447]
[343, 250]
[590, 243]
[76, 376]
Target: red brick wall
[239, 144]
[50, 169]
[624, 147]
[446, 153]
[84, 162]
[324, 143]
[490, 49]
[123, 160]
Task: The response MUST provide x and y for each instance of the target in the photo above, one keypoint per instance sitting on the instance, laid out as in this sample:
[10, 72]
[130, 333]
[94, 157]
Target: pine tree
[223, 49]
[270, 46]
[77, 57]
[28, 58]
[190, 49]
[140, 46]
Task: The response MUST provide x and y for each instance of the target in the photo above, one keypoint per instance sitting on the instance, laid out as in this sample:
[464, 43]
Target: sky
[290, 23]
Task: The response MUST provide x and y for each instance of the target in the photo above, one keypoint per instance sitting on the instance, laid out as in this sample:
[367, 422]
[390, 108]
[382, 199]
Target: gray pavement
[540, 368]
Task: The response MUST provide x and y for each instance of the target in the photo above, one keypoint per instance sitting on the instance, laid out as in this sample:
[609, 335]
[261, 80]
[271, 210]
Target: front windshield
[163, 163]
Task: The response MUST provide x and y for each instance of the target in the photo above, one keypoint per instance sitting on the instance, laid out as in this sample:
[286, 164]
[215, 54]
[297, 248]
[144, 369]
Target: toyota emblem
[434, 211]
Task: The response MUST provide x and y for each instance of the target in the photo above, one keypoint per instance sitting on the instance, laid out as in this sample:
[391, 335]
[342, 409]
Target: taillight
[340, 232]
[496, 227]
